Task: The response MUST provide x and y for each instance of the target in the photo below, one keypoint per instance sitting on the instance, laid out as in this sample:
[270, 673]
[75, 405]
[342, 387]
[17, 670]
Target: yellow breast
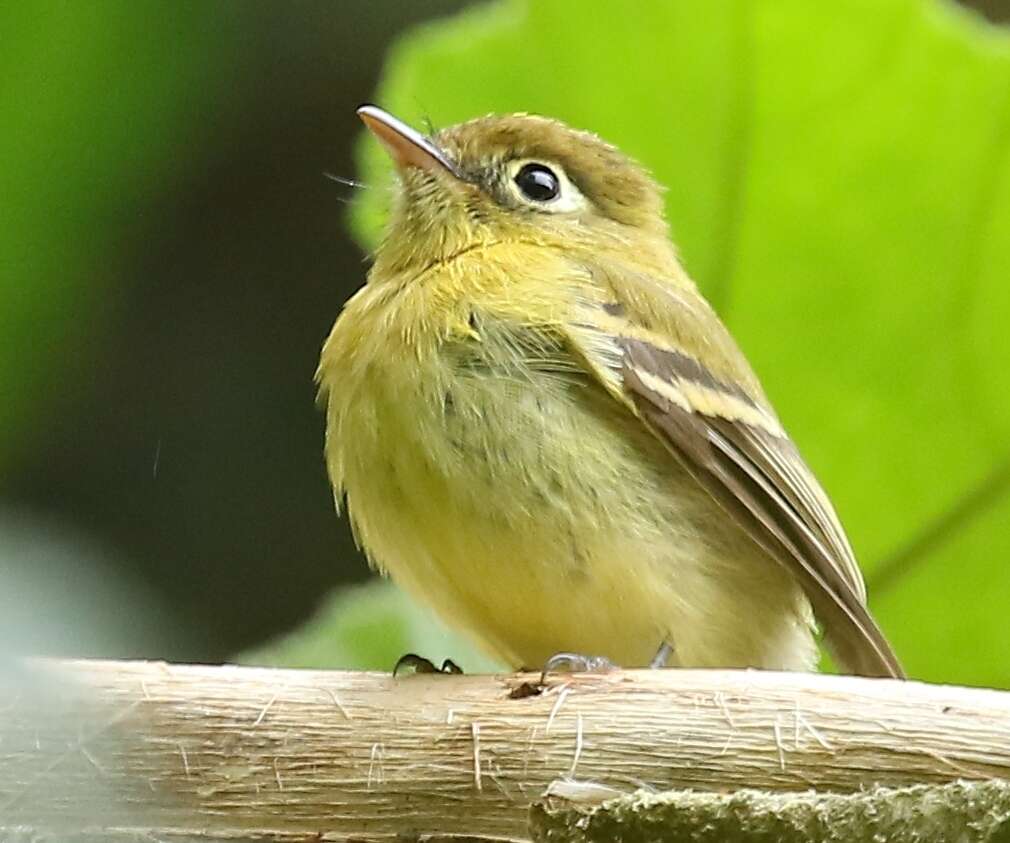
[497, 482]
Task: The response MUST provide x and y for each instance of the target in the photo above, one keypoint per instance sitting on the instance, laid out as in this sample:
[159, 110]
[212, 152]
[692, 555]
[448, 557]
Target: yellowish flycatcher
[543, 430]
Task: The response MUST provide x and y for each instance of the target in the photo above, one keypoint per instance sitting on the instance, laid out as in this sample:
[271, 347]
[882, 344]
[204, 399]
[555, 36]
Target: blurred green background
[172, 255]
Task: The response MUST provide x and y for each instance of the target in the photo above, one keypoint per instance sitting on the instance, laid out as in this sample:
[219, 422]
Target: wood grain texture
[225, 753]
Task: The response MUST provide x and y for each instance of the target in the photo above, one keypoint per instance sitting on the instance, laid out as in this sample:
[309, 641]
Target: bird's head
[512, 179]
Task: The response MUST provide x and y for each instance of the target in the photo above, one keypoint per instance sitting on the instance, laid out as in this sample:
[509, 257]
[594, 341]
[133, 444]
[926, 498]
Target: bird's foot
[562, 663]
[578, 663]
[418, 664]
[575, 663]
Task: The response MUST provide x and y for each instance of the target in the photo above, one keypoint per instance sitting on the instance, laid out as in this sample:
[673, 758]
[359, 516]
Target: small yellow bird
[543, 430]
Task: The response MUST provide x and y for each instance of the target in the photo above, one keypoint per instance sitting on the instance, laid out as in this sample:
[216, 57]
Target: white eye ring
[538, 173]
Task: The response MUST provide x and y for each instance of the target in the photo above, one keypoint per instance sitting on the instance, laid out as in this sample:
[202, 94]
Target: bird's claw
[575, 663]
[419, 664]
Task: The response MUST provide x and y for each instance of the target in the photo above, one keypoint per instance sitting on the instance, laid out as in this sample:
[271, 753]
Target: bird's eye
[538, 183]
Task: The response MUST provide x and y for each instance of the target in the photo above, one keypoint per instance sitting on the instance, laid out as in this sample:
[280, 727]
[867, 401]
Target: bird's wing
[714, 418]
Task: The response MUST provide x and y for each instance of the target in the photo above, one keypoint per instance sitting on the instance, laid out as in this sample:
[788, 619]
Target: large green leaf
[100, 102]
[367, 627]
[838, 186]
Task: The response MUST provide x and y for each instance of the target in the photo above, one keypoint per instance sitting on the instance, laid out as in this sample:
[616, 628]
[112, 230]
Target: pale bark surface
[227, 753]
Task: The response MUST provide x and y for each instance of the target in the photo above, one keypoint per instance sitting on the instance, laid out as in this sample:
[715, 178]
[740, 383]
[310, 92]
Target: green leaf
[838, 185]
[99, 103]
[368, 627]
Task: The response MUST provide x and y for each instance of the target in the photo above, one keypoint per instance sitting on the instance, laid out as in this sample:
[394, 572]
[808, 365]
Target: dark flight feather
[761, 481]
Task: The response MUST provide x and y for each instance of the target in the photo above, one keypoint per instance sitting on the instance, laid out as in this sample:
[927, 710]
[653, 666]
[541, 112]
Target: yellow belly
[538, 515]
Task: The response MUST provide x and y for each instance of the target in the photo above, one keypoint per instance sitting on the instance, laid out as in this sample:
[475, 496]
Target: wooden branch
[128, 749]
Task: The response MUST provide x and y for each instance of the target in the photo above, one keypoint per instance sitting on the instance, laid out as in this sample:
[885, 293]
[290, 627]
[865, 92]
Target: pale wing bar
[754, 474]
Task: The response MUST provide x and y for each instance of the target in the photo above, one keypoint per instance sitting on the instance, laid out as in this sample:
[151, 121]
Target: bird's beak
[407, 146]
